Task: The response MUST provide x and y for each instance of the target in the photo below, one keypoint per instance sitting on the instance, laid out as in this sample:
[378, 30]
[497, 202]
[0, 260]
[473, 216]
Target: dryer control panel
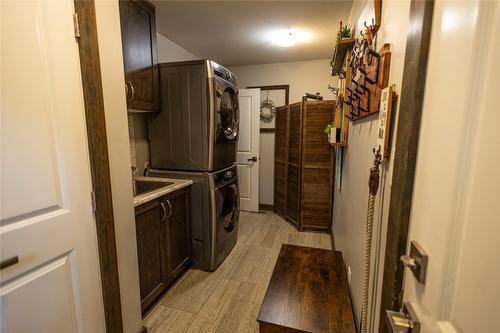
[225, 176]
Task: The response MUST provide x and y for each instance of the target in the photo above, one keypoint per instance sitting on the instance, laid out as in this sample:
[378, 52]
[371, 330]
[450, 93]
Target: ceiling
[236, 33]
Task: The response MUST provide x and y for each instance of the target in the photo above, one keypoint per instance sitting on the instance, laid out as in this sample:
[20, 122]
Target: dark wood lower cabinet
[163, 247]
[178, 233]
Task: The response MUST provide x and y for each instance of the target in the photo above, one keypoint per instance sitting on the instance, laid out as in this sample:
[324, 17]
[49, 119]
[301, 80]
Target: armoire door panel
[304, 165]
[293, 194]
[279, 188]
[294, 133]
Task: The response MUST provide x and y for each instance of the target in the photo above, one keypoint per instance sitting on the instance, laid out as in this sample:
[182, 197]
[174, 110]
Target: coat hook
[362, 109]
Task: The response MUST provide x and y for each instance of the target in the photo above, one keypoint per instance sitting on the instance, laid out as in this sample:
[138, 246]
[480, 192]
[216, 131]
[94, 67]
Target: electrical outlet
[349, 275]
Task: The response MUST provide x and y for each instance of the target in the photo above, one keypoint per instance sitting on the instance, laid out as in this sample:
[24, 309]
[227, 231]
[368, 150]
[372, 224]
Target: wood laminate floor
[229, 299]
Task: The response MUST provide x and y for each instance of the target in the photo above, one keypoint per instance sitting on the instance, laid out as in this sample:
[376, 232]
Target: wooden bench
[308, 292]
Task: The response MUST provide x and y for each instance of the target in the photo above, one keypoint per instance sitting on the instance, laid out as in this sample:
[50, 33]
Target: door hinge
[76, 25]
[94, 204]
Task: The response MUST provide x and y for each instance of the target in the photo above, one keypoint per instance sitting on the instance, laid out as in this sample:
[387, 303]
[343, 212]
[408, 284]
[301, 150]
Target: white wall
[349, 216]
[110, 52]
[169, 51]
[302, 76]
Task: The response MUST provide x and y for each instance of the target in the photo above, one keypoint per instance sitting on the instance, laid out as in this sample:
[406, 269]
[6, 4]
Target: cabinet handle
[132, 92]
[164, 217]
[169, 209]
[9, 262]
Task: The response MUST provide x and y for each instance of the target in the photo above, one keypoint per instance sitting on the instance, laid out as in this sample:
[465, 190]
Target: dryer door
[228, 116]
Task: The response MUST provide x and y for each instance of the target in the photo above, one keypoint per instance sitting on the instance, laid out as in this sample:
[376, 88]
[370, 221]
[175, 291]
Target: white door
[247, 158]
[46, 213]
[455, 211]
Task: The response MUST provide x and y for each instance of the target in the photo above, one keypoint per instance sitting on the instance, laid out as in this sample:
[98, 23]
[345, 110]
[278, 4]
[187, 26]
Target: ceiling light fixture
[288, 37]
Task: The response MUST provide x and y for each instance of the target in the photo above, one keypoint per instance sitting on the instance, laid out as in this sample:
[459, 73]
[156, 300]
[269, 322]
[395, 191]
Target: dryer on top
[197, 127]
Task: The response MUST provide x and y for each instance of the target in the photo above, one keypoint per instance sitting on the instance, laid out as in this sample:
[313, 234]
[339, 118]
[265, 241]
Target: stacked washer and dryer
[195, 136]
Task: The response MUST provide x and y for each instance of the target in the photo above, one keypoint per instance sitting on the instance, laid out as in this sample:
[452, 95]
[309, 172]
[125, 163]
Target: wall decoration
[267, 109]
[384, 121]
[369, 75]
[278, 94]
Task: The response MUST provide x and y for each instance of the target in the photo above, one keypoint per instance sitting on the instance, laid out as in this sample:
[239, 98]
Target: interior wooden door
[248, 154]
[455, 202]
[317, 166]
[47, 230]
[280, 159]
[293, 164]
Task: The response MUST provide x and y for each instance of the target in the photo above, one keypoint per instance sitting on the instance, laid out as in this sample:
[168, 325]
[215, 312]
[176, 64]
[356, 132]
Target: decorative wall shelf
[338, 144]
[337, 62]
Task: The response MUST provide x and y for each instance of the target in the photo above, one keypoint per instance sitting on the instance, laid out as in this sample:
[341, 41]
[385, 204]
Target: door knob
[253, 159]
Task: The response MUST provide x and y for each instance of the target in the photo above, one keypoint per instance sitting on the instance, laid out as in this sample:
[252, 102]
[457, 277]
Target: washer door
[228, 116]
[228, 202]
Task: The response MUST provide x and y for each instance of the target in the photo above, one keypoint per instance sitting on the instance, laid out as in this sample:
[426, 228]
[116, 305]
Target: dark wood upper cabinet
[163, 233]
[138, 30]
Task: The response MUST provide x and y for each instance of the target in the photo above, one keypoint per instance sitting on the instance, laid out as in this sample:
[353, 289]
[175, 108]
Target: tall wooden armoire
[304, 165]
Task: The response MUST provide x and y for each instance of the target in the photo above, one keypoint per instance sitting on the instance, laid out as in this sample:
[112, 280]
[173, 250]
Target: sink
[144, 186]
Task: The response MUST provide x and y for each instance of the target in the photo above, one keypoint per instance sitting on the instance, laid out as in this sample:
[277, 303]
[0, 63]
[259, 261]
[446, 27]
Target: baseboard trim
[266, 207]
[332, 240]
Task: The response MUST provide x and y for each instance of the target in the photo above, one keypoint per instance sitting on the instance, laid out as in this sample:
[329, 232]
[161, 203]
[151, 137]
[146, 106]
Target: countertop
[148, 196]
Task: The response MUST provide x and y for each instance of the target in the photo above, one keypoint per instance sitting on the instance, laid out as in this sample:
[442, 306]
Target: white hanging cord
[373, 184]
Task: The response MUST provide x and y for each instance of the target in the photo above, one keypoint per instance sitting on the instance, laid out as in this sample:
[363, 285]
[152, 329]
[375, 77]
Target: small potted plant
[344, 32]
[328, 130]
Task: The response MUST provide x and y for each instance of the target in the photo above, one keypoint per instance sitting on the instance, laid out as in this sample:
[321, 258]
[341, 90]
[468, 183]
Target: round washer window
[229, 114]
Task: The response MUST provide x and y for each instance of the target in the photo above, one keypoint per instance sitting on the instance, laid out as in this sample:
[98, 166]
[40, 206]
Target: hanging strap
[373, 185]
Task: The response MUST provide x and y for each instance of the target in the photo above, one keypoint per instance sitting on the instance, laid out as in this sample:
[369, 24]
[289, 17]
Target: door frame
[286, 88]
[99, 163]
[408, 133]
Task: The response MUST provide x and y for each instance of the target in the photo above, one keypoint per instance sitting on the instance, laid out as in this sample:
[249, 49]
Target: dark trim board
[268, 130]
[285, 87]
[99, 163]
[332, 239]
[410, 114]
[266, 207]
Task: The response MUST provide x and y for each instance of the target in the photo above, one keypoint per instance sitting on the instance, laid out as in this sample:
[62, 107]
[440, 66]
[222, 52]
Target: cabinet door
[152, 256]
[139, 54]
[178, 232]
